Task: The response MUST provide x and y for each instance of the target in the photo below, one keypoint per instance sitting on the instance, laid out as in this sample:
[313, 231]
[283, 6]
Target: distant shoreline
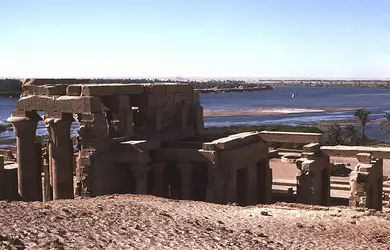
[328, 83]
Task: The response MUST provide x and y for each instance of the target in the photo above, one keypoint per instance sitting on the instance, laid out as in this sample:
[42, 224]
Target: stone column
[2, 179]
[211, 191]
[197, 118]
[184, 115]
[158, 179]
[186, 171]
[61, 154]
[28, 169]
[126, 115]
[141, 175]
[47, 188]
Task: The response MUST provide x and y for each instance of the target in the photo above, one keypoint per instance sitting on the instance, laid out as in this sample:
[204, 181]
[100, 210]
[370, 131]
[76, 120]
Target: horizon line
[207, 78]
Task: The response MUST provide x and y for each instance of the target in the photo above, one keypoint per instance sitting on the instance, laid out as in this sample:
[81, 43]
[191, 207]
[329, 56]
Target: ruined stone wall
[366, 182]
[237, 161]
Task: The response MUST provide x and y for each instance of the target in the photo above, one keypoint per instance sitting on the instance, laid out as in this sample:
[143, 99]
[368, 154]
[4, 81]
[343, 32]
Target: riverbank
[329, 83]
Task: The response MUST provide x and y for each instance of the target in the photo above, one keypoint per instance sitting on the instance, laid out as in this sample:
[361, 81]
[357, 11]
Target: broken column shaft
[61, 154]
[313, 179]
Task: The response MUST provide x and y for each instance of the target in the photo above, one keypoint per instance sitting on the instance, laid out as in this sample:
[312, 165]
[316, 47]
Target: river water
[330, 98]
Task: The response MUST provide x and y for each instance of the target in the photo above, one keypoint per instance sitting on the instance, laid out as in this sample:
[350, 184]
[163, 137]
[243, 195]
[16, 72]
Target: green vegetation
[10, 86]
[210, 84]
[362, 115]
[337, 135]
[385, 125]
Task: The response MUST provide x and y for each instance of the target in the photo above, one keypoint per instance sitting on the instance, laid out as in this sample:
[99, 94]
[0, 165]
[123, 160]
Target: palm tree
[333, 136]
[362, 115]
[349, 135]
[385, 125]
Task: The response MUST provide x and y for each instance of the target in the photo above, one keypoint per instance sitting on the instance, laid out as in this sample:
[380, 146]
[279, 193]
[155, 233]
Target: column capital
[65, 118]
[24, 125]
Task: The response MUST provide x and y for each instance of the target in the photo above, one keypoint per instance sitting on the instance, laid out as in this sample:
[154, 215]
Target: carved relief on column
[61, 155]
[141, 172]
[93, 163]
[28, 169]
[158, 179]
[186, 171]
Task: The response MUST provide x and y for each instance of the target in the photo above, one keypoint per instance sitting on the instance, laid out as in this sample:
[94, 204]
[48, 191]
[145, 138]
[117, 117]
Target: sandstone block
[35, 102]
[312, 147]
[78, 104]
[232, 141]
[112, 89]
[364, 157]
[296, 137]
[45, 89]
[73, 90]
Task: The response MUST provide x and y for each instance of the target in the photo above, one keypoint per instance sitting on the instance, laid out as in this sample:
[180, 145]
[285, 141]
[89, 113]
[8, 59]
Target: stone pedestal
[158, 179]
[140, 176]
[186, 171]
[313, 179]
[28, 169]
[61, 154]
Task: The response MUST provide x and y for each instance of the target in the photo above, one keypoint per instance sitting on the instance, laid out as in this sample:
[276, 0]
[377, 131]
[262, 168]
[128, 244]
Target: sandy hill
[146, 222]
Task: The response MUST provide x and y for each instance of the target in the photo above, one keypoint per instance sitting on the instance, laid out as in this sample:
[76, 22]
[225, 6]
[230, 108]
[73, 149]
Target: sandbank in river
[266, 111]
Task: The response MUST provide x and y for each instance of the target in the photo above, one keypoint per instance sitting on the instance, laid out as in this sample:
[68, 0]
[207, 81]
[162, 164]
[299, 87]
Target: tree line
[14, 85]
[349, 135]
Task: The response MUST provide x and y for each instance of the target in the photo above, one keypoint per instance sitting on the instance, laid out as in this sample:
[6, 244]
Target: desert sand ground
[146, 222]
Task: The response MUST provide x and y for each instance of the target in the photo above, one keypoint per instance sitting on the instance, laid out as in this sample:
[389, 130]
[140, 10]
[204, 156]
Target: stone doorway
[242, 186]
[262, 181]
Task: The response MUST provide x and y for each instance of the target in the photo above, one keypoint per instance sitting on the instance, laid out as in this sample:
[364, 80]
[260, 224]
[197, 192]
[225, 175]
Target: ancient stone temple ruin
[150, 139]
[132, 138]
[367, 182]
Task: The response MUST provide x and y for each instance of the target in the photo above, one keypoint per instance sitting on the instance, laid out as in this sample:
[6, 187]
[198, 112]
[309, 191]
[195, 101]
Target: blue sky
[202, 38]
